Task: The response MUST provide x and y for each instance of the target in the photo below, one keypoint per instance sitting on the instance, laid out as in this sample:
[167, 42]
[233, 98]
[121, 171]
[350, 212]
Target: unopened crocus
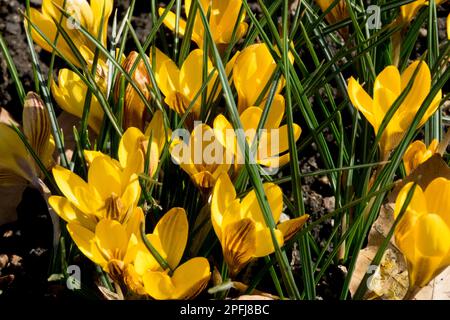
[177, 281]
[388, 86]
[17, 166]
[338, 13]
[240, 224]
[70, 94]
[82, 14]
[134, 109]
[423, 234]
[202, 157]
[111, 245]
[273, 138]
[417, 153]
[253, 70]
[223, 19]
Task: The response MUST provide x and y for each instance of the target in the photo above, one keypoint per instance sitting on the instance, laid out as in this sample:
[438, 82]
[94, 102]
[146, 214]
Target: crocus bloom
[202, 157]
[448, 27]
[423, 234]
[111, 245]
[254, 68]
[224, 16]
[273, 140]
[134, 145]
[88, 15]
[180, 86]
[240, 225]
[169, 238]
[388, 86]
[134, 113]
[17, 166]
[112, 191]
[417, 153]
[70, 94]
[409, 11]
[338, 13]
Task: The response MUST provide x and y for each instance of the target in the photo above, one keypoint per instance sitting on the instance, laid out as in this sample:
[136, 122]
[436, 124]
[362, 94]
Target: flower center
[114, 207]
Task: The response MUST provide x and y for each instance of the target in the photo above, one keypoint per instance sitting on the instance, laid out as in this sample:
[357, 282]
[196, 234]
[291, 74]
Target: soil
[25, 245]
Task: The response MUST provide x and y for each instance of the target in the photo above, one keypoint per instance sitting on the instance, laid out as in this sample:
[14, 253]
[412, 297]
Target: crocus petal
[67, 211]
[111, 236]
[363, 102]
[276, 141]
[158, 285]
[222, 196]
[166, 71]
[101, 8]
[250, 206]
[290, 227]
[239, 244]
[276, 112]
[104, 177]
[157, 131]
[264, 243]
[224, 133]
[412, 155]
[439, 191]
[14, 155]
[76, 190]
[37, 127]
[191, 278]
[172, 229]
[84, 239]
[131, 150]
[420, 87]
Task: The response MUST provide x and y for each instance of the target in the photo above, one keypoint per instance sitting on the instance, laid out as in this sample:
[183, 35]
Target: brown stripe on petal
[239, 244]
[36, 124]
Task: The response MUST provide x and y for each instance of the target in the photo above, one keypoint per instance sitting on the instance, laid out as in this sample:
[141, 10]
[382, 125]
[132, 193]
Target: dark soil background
[25, 244]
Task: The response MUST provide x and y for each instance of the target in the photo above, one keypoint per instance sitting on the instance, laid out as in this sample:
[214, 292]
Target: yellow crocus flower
[183, 281]
[70, 94]
[134, 145]
[202, 157]
[338, 13]
[224, 16]
[135, 111]
[240, 225]
[417, 153]
[253, 69]
[110, 245]
[88, 15]
[17, 166]
[409, 11]
[448, 27]
[388, 86]
[273, 141]
[423, 234]
[111, 191]
[180, 86]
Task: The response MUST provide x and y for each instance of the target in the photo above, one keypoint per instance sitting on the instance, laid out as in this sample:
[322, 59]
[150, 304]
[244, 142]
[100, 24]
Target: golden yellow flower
[448, 27]
[409, 11]
[202, 157]
[253, 70]
[112, 191]
[388, 86]
[111, 245]
[17, 166]
[169, 238]
[224, 16]
[338, 13]
[423, 234]
[417, 153]
[180, 86]
[134, 145]
[70, 94]
[273, 141]
[88, 15]
[240, 225]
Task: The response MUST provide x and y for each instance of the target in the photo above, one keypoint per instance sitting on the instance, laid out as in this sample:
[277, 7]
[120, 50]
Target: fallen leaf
[437, 289]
